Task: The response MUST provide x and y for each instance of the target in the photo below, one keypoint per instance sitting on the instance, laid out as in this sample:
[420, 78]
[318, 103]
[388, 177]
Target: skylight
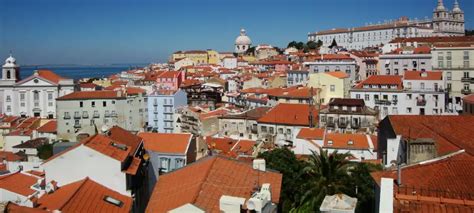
[113, 201]
[118, 146]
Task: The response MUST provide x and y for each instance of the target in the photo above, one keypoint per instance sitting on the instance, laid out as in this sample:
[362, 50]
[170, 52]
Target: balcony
[421, 102]
[466, 79]
[466, 91]
[77, 116]
[85, 115]
[382, 102]
[67, 117]
[96, 115]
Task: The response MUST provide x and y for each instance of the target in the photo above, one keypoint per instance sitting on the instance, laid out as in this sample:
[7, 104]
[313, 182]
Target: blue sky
[136, 31]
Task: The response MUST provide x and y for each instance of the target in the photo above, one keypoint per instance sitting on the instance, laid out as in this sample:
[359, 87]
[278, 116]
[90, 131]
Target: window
[9, 108]
[9, 99]
[448, 76]
[50, 96]
[366, 97]
[22, 96]
[376, 97]
[271, 130]
[422, 85]
[466, 86]
[333, 88]
[164, 164]
[408, 96]
[358, 96]
[93, 103]
[466, 75]
[264, 129]
[104, 104]
[408, 109]
[81, 104]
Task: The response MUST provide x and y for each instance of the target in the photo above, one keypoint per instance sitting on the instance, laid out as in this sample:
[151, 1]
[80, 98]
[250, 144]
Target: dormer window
[330, 142]
[350, 142]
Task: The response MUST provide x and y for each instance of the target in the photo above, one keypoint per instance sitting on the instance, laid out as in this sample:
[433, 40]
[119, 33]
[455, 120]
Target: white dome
[456, 8]
[243, 39]
[10, 60]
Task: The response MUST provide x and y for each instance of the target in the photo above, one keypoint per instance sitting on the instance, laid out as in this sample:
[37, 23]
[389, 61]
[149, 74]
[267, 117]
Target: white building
[82, 113]
[162, 105]
[242, 42]
[373, 35]
[33, 96]
[406, 59]
[419, 93]
[229, 62]
[111, 159]
[334, 62]
[457, 64]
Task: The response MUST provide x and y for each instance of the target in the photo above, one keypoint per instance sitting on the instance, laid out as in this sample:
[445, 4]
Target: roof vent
[118, 146]
[350, 142]
[113, 201]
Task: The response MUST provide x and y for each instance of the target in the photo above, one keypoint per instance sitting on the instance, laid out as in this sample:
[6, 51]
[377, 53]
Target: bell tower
[10, 70]
[440, 17]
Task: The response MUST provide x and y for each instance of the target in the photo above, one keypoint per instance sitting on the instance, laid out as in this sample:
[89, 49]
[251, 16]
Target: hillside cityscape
[371, 118]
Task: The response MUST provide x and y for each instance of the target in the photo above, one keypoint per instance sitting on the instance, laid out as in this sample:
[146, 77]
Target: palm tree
[326, 174]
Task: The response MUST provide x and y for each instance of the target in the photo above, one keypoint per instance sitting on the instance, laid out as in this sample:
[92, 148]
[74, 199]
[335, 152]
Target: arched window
[8, 74]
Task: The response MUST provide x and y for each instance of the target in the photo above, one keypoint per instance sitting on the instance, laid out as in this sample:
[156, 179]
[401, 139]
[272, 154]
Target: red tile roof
[10, 156]
[84, 196]
[301, 92]
[104, 145]
[175, 143]
[342, 141]
[311, 133]
[50, 76]
[18, 183]
[338, 74]
[469, 99]
[49, 127]
[125, 137]
[451, 133]
[204, 182]
[15, 208]
[382, 80]
[290, 114]
[423, 75]
[103, 94]
[449, 173]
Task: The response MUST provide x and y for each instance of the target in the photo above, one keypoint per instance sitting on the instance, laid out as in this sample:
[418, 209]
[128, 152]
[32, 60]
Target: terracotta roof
[50, 76]
[301, 92]
[49, 127]
[343, 141]
[32, 144]
[338, 74]
[18, 183]
[438, 39]
[102, 94]
[134, 166]
[381, 80]
[346, 102]
[294, 114]
[84, 196]
[125, 137]
[447, 173]
[10, 156]
[105, 145]
[88, 85]
[204, 182]
[15, 208]
[311, 133]
[253, 114]
[422, 50]
[423, 75]
[469, 99]
[451, 133]
[175, 143]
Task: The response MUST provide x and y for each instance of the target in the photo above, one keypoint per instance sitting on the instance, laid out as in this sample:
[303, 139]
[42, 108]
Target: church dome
[10, 60]
[456, 8]
[243, 39]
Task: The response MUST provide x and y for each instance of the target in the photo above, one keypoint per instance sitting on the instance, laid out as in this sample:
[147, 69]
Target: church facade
[33, 96]
[443, 23]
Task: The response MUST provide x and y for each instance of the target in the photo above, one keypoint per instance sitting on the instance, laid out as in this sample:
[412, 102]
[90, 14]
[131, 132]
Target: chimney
[259, 164]
[230, 203]
[386, 195]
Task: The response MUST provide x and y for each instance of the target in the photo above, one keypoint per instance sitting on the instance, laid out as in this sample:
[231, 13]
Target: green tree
[45, 151]
[284, 161]
[250, 51]
[327, 174]
[312, 45]
[469, 32]
[292, 44]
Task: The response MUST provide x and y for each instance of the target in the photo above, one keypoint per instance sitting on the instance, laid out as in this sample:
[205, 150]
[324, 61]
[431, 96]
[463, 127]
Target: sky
[143, 31]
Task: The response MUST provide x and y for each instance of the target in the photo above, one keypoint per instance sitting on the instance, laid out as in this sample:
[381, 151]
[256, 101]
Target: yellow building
[212, 57]
[332, 85]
